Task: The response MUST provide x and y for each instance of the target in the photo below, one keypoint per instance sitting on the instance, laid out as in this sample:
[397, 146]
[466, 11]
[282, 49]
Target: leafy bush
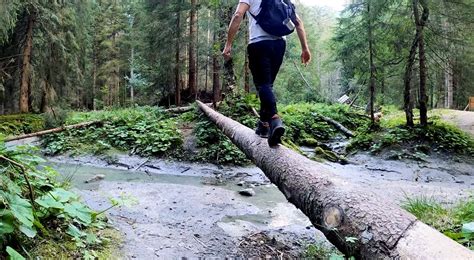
[145, 131]
[305, 124]
[437, 136]
[215, 147]
[21, 124]
[39, 206]
[456, 222]
[55, 117]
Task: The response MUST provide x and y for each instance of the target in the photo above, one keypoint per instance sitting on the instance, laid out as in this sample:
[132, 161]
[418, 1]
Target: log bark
[180, 110]
[338, 126]
[338, 208]
[25, 80]
[50, 131]
[193, 29]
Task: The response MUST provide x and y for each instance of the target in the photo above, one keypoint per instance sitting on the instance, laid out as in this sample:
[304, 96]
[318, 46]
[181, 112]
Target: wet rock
[247, 192]
[98, 177]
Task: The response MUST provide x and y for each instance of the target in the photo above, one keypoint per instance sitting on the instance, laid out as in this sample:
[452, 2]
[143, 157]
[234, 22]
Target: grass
[451, 221]
[322, 251]
[67, 249]
[417, 141]
[21, 124]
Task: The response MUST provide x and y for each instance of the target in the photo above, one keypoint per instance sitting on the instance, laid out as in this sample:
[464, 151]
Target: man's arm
[234, 28]
[305, 54]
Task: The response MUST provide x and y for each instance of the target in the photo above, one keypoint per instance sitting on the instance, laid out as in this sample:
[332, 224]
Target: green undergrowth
[414, 143]
[213, 145]
[21, 124]
[305, 124]
[37, 210]
[323, 252]
[456, 222]
[144, 131]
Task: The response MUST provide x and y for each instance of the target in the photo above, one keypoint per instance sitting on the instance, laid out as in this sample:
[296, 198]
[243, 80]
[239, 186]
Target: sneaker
[263, 129]
[277, 130]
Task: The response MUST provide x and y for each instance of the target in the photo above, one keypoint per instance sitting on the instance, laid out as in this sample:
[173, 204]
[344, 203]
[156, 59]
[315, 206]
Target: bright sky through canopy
[337, 5]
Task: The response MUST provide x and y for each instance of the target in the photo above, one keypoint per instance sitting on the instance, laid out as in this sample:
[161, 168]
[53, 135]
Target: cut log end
[332, 217]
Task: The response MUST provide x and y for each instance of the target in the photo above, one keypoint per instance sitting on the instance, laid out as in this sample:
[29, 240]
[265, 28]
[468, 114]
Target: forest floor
[462, 119]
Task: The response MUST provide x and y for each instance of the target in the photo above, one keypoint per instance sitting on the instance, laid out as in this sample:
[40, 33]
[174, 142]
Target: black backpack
[277, 17]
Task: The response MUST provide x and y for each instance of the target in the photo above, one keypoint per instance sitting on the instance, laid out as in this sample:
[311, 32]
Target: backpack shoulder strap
[263, 6]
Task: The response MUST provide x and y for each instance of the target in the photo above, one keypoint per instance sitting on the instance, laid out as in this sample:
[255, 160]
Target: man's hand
[305, 56]
[227, 53]
[233, 28]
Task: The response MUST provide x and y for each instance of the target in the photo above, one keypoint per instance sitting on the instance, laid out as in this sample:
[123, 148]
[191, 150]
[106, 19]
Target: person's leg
[279, 49]
[260, 63]
[277, 129]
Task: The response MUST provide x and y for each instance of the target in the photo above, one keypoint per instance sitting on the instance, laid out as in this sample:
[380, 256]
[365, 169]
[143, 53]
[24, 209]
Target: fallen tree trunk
[341, 210]
[50, 131]
[181, 110]
[337, 125]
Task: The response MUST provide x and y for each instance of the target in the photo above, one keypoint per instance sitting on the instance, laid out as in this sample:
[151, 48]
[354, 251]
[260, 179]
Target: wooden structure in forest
[338, 208]
[471, 104]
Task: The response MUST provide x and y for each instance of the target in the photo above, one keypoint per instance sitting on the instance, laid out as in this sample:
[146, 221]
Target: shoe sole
[275, 138]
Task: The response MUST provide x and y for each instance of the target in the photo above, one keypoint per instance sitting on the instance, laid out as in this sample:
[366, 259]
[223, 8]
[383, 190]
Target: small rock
[98, 177]
[242, 183]
[460, 182]
[197, 235]
[247, 192]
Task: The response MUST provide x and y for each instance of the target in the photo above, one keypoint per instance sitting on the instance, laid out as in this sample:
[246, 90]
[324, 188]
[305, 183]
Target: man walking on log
[270, 21]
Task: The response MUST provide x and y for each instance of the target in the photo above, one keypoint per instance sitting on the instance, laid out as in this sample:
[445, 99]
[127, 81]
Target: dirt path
[463, 119]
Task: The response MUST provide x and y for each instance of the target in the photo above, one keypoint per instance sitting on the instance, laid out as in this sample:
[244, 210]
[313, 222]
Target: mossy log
[341, 209]
[338, 126]
[181, 110]
[50, 131]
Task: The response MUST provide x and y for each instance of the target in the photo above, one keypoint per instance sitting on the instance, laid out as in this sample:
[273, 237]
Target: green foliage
[145, 131]
[21, 124]
[321, 251]
[455, 222]
[53, 214]
[55, 117]
[238, 106]
[215, 147]
[437, 136]
[305, 125]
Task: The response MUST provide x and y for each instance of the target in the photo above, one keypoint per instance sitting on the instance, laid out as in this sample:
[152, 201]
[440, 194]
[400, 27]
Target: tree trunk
[25, 81]
[192, 49]
[372, 65]
[408, 105]
[339, 208]
[132, 77]
[216, 92]
[449, 86]
[420, 24]
[208, 58]
[177, 72]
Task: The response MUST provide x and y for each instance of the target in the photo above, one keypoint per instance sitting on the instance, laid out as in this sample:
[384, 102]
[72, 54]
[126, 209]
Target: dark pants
[265, 58]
